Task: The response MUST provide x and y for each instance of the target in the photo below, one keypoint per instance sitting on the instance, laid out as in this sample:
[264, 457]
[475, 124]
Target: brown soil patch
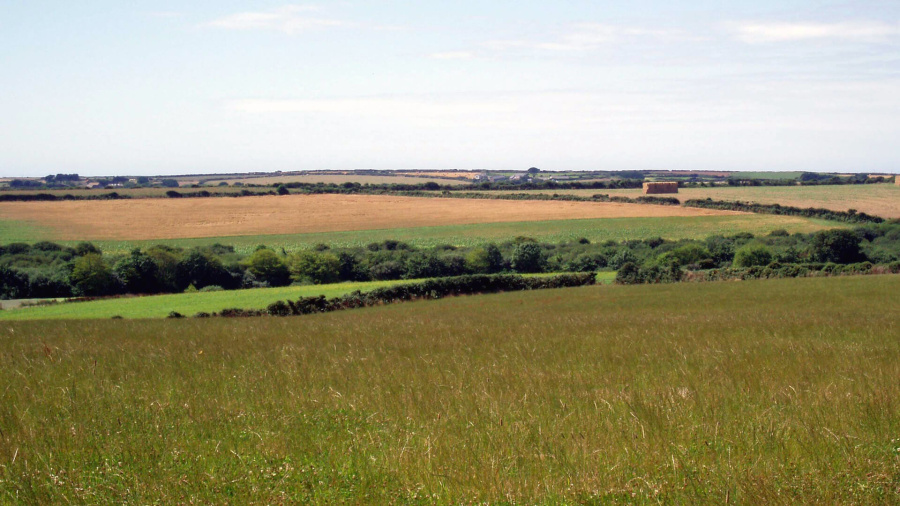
[294, 214]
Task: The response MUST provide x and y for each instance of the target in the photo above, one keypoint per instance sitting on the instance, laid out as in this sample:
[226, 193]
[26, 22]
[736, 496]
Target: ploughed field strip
[297, 214]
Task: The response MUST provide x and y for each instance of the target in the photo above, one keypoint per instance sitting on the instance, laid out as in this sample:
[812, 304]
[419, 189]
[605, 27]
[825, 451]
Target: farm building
[661, 187]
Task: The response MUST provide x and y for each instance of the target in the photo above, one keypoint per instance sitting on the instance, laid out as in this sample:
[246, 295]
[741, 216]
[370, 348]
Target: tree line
[46, 269]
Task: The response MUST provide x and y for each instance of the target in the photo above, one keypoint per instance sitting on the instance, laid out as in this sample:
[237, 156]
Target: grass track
[471, 235]
[188, 304]
[783, 391]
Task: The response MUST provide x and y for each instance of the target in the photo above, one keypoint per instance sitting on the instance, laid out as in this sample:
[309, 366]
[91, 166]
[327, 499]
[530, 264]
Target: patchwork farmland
[758, 391]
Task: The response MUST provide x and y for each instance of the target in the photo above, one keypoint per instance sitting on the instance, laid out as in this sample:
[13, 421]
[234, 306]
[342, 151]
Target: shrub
[316, 267]
[267, 266]
[752, 255]
[528, 257]
[200, 270]
[91, 276]
[839, 246]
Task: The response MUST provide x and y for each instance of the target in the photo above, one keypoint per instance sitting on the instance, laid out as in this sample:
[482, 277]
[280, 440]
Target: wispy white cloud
[756, 33]
[289, 19]
[452, 55]
[165, 14]
[590, 37]
[372, 106]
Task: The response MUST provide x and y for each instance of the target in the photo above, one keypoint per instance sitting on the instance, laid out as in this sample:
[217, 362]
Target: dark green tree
[316, 267]
[752, 255]
[92, 277]
[840, 246]
[138, 273]
[485, 260]
[267, 266]
[528, 257]
[200, 270]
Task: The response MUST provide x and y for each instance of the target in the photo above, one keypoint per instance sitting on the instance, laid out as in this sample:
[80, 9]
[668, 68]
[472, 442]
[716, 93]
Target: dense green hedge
[430, 289]
[51, 197]
[850, 216]
[631, 274]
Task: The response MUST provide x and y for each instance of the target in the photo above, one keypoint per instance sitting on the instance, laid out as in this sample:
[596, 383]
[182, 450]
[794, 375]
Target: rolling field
[878, 199]
[781, 392]
[188, 304]
[149, 219]
[596, 230]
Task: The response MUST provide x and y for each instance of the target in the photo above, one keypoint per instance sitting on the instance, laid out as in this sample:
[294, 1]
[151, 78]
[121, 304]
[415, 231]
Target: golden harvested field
[295, 214]
[441, 174]
[336, 179]
[878, 199]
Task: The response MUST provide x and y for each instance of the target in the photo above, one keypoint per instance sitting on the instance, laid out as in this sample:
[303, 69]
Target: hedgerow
[850, 216]
[430, 289]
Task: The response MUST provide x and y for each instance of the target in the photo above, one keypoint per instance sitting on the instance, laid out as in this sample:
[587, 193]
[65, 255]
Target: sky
[177, 87]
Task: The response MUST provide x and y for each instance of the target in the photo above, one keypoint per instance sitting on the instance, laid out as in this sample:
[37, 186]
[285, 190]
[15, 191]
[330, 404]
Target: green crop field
[159, 306]
[780, 392]
[617, 229]
[766, 175]
[20, 231]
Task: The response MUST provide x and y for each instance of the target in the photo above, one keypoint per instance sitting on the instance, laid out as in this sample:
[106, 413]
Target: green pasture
[21, 231]
[188, 304]
[159, 306]
[616, 229]
[762, 392]
[765, 175]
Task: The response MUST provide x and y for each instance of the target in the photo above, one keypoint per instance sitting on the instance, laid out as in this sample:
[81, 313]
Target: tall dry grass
[756, 392]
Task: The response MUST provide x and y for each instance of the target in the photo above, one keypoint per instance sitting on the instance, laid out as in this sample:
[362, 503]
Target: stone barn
[660, 187]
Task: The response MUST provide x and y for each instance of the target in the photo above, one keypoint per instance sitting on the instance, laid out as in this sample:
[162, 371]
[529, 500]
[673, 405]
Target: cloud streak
[760, 33]
[289, 19]
[589, 37]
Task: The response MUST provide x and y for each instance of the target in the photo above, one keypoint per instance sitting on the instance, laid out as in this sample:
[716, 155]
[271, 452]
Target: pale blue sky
[165, 87]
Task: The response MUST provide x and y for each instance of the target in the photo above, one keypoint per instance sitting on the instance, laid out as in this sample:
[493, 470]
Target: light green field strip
[596, 230]
[159, 306]
[188, 304]
[767, 175]
[20, 231]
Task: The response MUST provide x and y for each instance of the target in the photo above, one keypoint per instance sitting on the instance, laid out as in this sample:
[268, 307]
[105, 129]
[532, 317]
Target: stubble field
[147, 219]
[780, 392]
[877, 199]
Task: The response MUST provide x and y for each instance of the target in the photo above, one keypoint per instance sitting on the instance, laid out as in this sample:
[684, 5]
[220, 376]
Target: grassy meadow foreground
[754, 392]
